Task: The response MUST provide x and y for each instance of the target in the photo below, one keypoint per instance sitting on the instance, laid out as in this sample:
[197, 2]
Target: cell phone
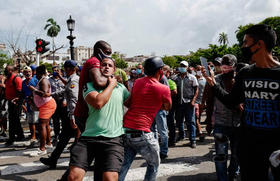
[205, 65]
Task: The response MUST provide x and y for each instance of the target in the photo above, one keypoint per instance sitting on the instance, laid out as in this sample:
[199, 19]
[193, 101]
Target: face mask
[193, 72]
[55, 74]
[182, 69]
[138, 71]
[199, 73]
[246, 52]
[102, 55]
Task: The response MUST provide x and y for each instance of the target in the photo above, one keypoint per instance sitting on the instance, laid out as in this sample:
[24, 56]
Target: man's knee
[76, 174]
[110, 176]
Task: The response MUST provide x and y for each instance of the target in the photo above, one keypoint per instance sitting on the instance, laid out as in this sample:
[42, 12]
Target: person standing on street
[13, 88]
[258, 87]
[71, 96]
[187, 87]
[148, 96]
[46, 104]
[58, 89]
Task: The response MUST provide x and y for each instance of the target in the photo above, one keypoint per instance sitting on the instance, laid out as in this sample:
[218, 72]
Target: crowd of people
[114, 114]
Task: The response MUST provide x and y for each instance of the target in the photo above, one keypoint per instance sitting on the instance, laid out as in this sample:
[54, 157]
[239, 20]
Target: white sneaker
[48, 146]
[38, 153]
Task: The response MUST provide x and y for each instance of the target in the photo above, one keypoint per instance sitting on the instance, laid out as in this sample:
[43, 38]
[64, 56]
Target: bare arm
[195, 95]
[99, 81]
[44, 88]
[98, 100]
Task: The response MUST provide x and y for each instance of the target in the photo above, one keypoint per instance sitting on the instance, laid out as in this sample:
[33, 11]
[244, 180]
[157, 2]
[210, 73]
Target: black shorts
[107, 152]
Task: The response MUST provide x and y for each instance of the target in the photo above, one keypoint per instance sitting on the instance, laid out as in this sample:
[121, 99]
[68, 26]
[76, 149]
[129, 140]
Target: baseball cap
[26, 68]
[70, 63]
[185, 63]
[33, 67]
[229, 59]
[217, 61]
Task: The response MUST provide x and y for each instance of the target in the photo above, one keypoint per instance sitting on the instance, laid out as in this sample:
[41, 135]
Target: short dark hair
[41, 70]
[100, 45]
[263, 32]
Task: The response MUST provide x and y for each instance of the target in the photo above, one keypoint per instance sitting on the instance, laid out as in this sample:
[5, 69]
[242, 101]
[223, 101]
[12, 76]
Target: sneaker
[193, 144]
[34, 143]
[163, 156]
[49, 162]
[38, 153]
[49, 146]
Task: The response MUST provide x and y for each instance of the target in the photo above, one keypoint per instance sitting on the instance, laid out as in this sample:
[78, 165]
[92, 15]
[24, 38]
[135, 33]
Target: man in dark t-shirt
[258, 87]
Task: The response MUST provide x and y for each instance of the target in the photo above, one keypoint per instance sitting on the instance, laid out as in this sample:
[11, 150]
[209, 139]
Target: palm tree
[52, 31]
[223, 39]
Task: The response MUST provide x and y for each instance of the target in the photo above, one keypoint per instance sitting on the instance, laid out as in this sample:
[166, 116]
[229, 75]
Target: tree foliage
[120, 63]
[223, 38]
[4, 59]
[274, 22]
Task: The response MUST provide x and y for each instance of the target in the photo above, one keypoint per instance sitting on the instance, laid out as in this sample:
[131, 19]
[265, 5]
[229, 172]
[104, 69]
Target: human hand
[112, 81]
[15, 100]
[73, 124]
[210, 79]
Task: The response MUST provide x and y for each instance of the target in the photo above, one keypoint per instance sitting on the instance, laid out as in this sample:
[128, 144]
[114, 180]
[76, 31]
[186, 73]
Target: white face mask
[193, 72]
[199, 73]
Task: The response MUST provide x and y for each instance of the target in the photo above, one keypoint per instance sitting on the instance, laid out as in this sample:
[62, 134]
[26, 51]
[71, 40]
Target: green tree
[170, 60]
[223, 38]
[274, 22]
[52, 31]
[120, 63]
[4, 59]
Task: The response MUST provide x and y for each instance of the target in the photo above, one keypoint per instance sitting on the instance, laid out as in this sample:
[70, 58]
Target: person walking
[148, 96]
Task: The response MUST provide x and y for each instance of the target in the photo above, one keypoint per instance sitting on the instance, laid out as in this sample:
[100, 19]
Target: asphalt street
[183, 163]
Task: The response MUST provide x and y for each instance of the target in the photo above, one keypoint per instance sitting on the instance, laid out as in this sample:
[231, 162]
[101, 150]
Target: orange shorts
[47, 110]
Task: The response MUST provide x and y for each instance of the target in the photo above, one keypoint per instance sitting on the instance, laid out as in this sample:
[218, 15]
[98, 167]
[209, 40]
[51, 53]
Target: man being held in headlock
[90, 73]
[102, 138]
[148, 96]
[258, 87]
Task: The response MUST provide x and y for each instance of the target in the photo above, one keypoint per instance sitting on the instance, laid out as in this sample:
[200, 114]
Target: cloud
[137, 27]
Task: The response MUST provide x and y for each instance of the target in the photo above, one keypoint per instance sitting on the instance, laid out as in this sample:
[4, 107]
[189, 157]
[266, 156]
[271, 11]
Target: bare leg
[43, 133]
[48, 134]
[32, 129]
[76, 173]
[110, 176]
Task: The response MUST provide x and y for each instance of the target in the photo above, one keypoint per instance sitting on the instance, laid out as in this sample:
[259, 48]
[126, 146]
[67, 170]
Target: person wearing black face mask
[258, 88]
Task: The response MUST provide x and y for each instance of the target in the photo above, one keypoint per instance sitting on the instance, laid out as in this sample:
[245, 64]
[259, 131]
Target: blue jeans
[160, 125]
[147, 146]
[186, 110]
[224, 173]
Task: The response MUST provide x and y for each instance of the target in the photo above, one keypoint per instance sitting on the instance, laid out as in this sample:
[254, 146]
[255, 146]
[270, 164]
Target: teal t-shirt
[107, 121]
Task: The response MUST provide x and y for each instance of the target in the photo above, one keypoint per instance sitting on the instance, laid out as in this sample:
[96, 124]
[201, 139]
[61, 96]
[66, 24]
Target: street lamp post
[71, 27]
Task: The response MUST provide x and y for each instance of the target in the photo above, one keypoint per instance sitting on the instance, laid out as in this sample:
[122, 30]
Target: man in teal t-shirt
[102, 138]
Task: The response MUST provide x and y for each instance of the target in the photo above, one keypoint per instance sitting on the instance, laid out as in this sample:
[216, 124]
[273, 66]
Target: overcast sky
[134, 27]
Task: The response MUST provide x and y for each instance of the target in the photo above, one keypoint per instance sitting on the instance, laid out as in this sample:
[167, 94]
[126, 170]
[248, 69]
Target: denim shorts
[107, 152]
[32, 117]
